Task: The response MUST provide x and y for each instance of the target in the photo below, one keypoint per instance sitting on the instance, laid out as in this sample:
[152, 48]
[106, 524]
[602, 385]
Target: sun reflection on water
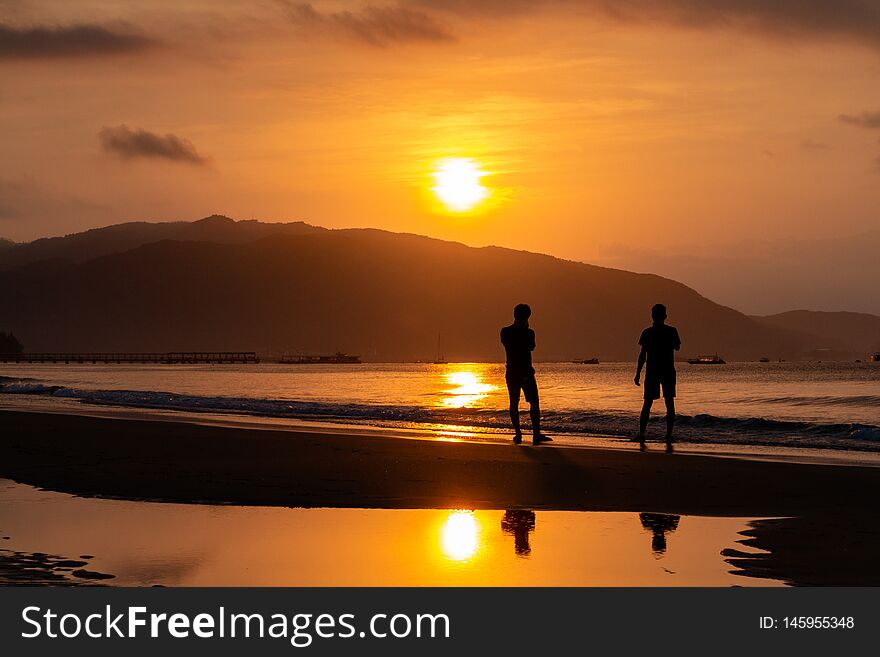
[469, 390]
[460, 535]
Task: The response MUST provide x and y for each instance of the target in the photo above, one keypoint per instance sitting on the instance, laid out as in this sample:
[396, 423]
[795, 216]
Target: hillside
[81, 247]
[842, 331]
[382, 295]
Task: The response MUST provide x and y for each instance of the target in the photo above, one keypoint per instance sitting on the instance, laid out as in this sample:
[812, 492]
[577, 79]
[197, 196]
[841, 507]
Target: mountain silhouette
[845, 332]
[221, 284]
[80, 247]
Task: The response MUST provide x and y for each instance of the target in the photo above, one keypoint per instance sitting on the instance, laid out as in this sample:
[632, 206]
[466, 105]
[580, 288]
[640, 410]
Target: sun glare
[468, 391]
[457, 184]
[460, 535]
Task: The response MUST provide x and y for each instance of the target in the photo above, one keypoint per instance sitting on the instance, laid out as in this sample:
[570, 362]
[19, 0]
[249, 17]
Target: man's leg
[530, 388]
[670, 418]
[514, 415]
[513, 392]
[643, 418]
[535, 414]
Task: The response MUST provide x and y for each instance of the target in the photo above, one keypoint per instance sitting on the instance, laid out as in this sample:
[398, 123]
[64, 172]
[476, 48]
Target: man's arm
[641, 364]
[531, 340]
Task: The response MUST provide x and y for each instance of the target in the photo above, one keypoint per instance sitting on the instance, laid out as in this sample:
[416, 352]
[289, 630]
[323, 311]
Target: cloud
[376, 26]
[131, 143]
[857, 20]
[869, 120]
[83, 40]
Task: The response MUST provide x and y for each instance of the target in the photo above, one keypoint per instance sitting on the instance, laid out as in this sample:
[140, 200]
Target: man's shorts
[524, 382]
[653, 383]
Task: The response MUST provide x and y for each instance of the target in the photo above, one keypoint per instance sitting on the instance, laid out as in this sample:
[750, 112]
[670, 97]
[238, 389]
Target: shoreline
[773, 453]
[113, 457]
[814, 513]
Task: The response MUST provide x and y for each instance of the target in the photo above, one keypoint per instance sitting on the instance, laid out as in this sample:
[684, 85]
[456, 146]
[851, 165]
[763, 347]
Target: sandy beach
[825, 510]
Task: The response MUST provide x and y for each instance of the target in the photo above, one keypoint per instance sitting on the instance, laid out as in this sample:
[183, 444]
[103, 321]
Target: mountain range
[220, 284]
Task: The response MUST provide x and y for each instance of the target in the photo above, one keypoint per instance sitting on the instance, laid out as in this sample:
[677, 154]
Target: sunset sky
[609, 132]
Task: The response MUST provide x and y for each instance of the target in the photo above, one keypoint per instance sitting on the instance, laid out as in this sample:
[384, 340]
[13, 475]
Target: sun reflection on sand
[460, 535]
[469, 390]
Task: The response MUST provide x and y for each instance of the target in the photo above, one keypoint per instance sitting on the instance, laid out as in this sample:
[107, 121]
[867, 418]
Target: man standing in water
[659, 343]
[519, 342]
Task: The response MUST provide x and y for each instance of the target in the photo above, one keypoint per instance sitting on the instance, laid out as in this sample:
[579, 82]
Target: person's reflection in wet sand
[519, 523]
[659, 524]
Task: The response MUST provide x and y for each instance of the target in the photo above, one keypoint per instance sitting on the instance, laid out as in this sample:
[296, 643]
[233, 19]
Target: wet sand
[39, 569]
[167, 461]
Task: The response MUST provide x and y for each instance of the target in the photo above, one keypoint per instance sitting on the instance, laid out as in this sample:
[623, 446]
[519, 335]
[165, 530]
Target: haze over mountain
[295, 288]
[834, 331]
[80, 247]
[836, 273]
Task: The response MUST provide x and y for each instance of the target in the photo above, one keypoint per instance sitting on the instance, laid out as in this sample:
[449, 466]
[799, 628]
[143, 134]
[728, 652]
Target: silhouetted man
[519, 342]
[659, 343]
[519, 523]
[659, 524]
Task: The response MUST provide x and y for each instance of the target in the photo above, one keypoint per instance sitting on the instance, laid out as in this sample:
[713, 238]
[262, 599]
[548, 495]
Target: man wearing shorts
[659, 343]
[519, 342]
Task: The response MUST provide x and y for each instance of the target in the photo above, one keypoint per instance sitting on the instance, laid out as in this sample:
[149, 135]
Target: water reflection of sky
[466, 387]
[146, 543]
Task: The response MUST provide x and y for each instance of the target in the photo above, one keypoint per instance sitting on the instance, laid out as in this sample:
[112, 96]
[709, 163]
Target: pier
[170, 358]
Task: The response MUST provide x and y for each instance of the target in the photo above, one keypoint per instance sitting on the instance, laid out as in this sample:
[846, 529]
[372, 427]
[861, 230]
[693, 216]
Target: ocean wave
[700, 428]
[819, 400]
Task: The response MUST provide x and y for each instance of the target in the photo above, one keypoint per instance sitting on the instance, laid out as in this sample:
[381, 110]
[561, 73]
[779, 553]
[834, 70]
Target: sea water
[795, 405]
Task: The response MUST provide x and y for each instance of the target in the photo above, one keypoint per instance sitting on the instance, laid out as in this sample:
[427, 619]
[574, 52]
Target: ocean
[810, 405]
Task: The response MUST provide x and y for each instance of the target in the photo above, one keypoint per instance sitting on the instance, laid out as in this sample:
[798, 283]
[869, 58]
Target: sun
[460, 535]
[457, 183]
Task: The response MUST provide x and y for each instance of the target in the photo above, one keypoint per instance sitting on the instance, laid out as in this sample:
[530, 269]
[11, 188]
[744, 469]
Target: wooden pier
[170, 358]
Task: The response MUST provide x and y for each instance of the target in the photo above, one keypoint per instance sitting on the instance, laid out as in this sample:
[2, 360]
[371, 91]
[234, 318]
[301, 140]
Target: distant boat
[339, 358]
[440, 360]
[707, 360]
[764, 360]
[586, 361]
[875, 358]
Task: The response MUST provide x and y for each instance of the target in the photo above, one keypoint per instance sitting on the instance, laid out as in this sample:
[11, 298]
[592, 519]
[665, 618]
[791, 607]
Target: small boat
[764, 360]
[875, 358]
[586, 361]
[707, 360]
[339, 358]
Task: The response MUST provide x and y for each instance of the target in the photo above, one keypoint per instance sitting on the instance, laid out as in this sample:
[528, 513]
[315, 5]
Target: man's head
[658, 313]
[522, 312]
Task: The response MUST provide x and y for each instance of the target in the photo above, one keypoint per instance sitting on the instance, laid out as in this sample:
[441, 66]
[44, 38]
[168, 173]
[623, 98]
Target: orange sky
[661, 126]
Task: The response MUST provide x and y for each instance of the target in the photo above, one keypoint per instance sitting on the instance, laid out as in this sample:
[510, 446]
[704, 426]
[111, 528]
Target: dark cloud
[869, 120]
[863, 120]
[857, 20]
[373, 25]
[492, 8]
[68, 41]
[133, 143]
